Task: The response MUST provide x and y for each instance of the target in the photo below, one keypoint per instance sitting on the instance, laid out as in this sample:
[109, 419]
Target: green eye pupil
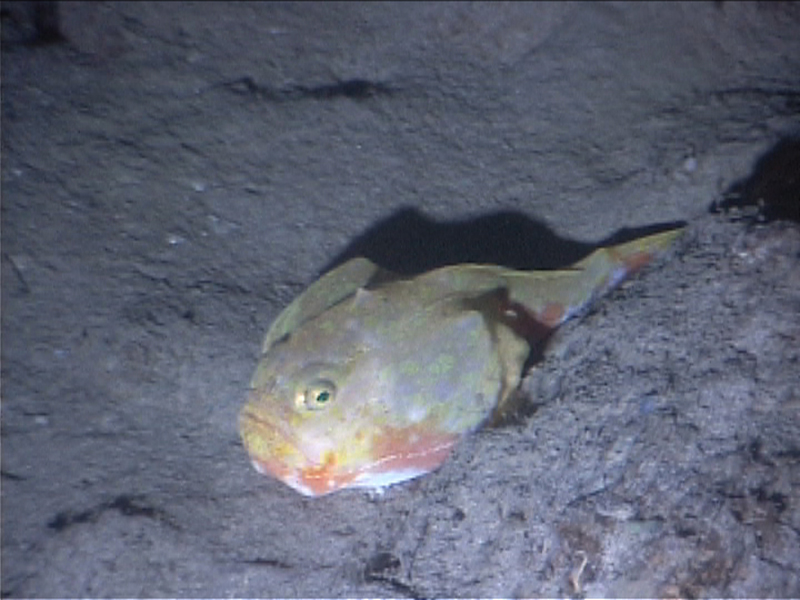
[316, 395]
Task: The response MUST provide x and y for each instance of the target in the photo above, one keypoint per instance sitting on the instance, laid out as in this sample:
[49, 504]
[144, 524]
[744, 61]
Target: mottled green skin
[367, 385]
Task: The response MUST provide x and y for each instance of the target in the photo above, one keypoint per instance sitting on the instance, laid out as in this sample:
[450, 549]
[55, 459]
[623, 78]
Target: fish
[368, 378]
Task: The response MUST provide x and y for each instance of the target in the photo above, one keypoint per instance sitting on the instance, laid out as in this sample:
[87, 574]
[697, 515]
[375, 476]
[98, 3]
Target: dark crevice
[268, 562]
[129, 506]
[354, 89]
[11, 476]
[771, 192]
[382, 568]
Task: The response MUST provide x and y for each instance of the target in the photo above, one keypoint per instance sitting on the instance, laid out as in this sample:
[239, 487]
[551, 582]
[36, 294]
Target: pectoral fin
[330, 289]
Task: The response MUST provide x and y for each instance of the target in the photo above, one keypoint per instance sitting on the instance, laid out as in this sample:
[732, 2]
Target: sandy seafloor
[174, 174]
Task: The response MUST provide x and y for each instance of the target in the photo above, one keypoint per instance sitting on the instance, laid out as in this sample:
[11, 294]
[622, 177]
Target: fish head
[320, 425]
[377, 389]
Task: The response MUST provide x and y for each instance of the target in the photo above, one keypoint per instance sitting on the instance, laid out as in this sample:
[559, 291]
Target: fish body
[368, 379]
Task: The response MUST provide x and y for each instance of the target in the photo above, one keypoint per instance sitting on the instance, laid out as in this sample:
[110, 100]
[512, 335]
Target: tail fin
[552, 297]
[634, 254]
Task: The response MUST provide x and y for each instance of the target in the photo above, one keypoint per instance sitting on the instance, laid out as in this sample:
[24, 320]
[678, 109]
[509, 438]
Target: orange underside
[397, 450]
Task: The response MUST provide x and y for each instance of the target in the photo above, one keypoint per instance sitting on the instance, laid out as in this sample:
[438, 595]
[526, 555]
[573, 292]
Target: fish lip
[275, 429]
[280, 431]
[307, 476]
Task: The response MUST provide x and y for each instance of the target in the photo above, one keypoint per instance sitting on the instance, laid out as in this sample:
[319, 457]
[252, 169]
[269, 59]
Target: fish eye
[316, 395]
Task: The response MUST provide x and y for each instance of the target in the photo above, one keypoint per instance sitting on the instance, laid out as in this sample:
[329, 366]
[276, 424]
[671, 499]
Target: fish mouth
[264, 437]
[274, 451]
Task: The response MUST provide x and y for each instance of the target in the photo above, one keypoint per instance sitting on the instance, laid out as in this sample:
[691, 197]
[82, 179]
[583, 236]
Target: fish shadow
[408, 242]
